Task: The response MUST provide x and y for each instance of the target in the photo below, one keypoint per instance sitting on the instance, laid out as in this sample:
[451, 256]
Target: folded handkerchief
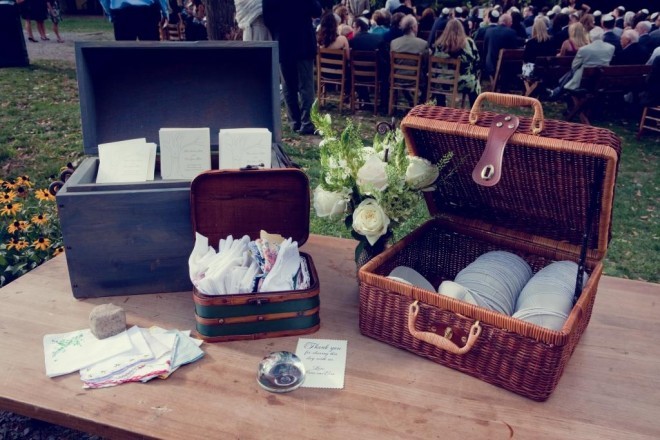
[282, 275]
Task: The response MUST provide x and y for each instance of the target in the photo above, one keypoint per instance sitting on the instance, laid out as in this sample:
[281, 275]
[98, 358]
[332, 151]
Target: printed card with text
[325, 362]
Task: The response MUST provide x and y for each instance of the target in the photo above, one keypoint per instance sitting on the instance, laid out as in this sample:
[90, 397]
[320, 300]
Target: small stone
[107, 320]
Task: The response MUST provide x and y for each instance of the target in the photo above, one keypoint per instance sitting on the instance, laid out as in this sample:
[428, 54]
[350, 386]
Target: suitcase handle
[440, 341]
[510, 101]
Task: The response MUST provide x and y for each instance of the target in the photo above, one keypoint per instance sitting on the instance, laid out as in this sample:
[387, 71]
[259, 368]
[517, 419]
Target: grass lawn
[40, 133]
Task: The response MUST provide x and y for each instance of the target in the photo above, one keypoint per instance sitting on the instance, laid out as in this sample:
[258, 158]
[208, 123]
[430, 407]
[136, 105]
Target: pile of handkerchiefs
[268, 264]
[134, 355]
[504, 282]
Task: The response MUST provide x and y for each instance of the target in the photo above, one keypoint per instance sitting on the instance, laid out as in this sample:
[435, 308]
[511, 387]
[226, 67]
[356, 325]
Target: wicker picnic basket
[553, 201]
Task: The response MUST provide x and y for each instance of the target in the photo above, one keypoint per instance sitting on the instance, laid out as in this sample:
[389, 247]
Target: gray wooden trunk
[135, 238]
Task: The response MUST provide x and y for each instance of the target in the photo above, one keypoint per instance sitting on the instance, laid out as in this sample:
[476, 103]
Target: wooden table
[610, 388]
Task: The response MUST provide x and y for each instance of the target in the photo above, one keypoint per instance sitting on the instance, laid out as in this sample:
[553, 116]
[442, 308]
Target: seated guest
[497, 38]
[655, 21]
[588, 22]
[651, 96]
[439, 26]
[610, 35]
[529, 15]
[517, 24]
[327, 37]
[453, 43]
[632, 53]
[540, 45]
[577, 37]
[559, 30]
[409, 42]
[343, 27]
[490, 21]
[643, 28]
[395, 28]
[474, 20]
[597, 53]
[381, 22]
[426, 21]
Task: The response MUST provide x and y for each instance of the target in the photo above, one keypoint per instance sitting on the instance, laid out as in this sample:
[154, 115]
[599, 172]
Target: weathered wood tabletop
[610, 388]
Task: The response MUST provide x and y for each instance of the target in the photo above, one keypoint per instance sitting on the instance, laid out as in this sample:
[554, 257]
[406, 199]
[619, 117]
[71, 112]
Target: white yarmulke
[608, 17]
[654, 16]
[445, 11]
[597, 13]
[458, 10]
[565, 11]
[622, 8]
[550, 14]
[364, 20]
[556, 9]
[495, 13]
[645, 11]
[514, 9]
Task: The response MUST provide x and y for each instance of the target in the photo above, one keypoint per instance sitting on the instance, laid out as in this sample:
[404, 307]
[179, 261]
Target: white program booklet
[132, 160]
[184, 152]
[240, 147]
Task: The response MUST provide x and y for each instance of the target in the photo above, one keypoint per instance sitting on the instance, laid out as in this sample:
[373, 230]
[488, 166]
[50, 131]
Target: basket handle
[510, 101]
[440, 341]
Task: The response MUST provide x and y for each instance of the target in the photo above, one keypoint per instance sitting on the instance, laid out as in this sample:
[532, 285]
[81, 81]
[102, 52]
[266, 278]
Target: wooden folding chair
[364, 75]
[650, 120]
[509, 66]
[174, 32]
[405, 76]
[330, 75]
[443, 76]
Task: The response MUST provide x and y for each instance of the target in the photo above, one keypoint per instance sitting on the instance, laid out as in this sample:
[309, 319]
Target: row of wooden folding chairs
[334, 71]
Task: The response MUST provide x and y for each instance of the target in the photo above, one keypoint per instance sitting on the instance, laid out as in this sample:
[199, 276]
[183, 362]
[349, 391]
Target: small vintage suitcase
[244, 202]
[553, 201]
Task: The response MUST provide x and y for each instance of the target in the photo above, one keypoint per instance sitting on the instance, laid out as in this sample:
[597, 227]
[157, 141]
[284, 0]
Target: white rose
[421, 173]
[372, 175]
[370, 220]
[367, 151]
[328, 203]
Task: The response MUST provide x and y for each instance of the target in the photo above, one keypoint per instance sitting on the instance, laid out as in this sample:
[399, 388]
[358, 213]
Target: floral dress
[469, 73]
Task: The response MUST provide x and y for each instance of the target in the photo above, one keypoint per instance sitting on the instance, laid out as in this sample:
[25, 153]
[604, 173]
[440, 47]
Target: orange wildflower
[44, 195]
[41, 243]
[10, 209]
[18, 244]
[24, 181]
[39, 219]
[17, 226]
[8, 197]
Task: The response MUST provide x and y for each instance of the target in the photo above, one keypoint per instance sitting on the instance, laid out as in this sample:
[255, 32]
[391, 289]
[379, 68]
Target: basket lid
[547, 180]
[233, 202]
[131, 90]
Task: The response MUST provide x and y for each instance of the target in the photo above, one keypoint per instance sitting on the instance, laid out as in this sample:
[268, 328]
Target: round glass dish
[281, 372]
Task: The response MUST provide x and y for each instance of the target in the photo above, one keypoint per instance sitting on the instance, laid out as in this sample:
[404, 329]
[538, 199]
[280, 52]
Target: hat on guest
[458, 10]
[551, 13]
[445, 11]
[654, 16]
[607, 18]
[621, 8]
[645, 11]
[597, 14]
[556, 9]
[493, 15]
[565, 11]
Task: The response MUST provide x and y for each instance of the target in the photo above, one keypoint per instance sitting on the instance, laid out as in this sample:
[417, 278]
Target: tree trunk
[220, 19]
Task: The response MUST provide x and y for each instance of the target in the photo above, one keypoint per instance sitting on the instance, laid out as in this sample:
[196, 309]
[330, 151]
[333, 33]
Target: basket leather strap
[488, 170]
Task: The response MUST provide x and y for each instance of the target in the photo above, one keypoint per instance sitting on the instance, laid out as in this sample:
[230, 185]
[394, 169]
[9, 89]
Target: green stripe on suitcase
[225, 311]
[247, 328]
